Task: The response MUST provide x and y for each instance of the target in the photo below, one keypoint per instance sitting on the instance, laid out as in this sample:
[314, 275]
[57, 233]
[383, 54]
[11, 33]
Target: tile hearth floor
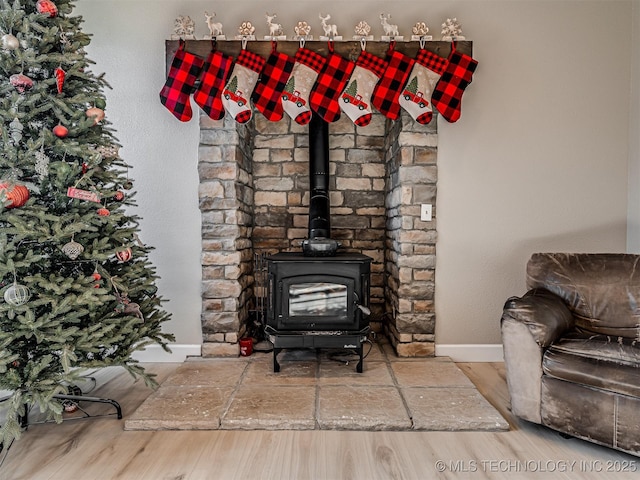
[317, 390]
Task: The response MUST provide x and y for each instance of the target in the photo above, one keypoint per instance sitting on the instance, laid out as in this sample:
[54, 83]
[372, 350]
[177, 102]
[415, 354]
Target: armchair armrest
[530, 324]
[545, 314]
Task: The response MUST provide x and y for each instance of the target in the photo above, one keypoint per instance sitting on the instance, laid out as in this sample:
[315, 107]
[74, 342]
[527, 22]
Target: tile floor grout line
[396, 384]
[232, 396]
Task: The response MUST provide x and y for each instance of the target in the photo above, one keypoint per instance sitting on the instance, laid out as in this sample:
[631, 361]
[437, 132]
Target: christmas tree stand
[71, 404]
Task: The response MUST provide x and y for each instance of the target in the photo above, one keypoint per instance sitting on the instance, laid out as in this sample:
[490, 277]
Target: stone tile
[376, 354]
[278, 407]
[452, 409]
[294, 373]
[336, 373]
[218, 373]
[361, 408]
[429, 373]
[181, 408]
[263, 356]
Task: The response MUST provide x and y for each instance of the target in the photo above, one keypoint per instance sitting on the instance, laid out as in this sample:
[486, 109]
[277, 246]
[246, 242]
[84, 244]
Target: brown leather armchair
[572, 347]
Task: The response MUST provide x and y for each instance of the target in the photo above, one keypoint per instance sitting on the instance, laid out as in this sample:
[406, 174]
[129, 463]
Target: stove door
[318, 299]
[316, 302]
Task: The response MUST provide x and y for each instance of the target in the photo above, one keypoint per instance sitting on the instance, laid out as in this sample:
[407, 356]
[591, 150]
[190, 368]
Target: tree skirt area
[318, 390]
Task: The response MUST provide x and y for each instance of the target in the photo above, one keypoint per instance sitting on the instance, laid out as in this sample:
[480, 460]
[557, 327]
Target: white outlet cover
[426, 210]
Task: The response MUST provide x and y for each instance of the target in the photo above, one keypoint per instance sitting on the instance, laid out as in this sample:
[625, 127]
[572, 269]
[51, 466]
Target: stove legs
[276, 365]
[360, 355]
[346, 340]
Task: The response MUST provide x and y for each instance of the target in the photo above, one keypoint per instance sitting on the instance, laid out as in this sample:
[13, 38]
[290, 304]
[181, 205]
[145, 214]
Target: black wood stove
[318, 298]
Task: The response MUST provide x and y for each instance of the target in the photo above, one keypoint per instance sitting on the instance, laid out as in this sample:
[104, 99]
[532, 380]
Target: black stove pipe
[319, 206]
[319, 242]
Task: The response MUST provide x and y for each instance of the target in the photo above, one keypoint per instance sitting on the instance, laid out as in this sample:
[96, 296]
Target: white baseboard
[471, 353]
[179, 353]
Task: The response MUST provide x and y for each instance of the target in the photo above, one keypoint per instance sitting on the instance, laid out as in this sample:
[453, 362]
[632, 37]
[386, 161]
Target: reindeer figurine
[215, 28]
[389, 29]
[126, 306]
[275, 29]
[329, 30]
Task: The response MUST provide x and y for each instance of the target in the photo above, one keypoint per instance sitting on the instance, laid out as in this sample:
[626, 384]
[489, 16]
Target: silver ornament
[72, 249]
[17, 295]
[15, 130]
[9, 42]
[42, 164]
[108, 151]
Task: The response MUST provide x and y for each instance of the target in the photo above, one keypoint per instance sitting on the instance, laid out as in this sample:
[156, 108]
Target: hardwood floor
[100, 449]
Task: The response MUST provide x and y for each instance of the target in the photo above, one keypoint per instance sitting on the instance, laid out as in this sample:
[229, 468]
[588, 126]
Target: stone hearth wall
[410, 255]
[254, 197]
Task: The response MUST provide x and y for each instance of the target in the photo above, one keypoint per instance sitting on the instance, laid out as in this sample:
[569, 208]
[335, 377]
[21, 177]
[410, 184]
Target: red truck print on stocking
[294, 97]
[350, 95]
[356, 101]
[415, 98]
[235, 96]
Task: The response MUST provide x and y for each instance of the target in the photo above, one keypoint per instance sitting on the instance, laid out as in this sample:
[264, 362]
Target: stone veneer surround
[254, 197]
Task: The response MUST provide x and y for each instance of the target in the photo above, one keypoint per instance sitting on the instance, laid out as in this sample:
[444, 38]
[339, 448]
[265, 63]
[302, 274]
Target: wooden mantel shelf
[348, 49]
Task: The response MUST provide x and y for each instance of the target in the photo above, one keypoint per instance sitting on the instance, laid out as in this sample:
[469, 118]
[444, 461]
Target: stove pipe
[319, 242]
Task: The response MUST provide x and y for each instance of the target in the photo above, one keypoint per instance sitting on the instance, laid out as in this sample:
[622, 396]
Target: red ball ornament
[17, 195]
[97, 277]
[119, 196]
[60, 131]
[124, 255]
[104, 212]
[47, 7]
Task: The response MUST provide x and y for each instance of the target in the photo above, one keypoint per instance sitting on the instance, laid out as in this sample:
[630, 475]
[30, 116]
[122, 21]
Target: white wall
[633, 230]
[538, 161]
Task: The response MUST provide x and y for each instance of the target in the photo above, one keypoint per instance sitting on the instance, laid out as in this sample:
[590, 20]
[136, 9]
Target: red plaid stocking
[216, 72]
[356, 98]
[387, 91]
[268, 92]
[183, 74]
[447, 96]
[295, 98]
[331, 81]
[416, 95]
[237, 91]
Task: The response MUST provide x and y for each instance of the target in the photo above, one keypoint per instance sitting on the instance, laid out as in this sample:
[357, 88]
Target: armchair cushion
[601, 361]
[601, 290]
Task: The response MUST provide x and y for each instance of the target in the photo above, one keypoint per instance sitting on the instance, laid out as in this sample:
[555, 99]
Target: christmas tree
[352, 89]
[290, 86]
[77, 289]
[412, 86]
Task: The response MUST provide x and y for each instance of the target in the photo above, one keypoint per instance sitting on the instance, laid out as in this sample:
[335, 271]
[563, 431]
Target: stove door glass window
[317, 299]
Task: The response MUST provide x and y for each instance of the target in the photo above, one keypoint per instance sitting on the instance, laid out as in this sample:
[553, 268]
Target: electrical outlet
[426, 210]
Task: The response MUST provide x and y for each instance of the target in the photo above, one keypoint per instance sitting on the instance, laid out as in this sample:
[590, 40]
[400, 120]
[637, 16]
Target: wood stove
[318, 298]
